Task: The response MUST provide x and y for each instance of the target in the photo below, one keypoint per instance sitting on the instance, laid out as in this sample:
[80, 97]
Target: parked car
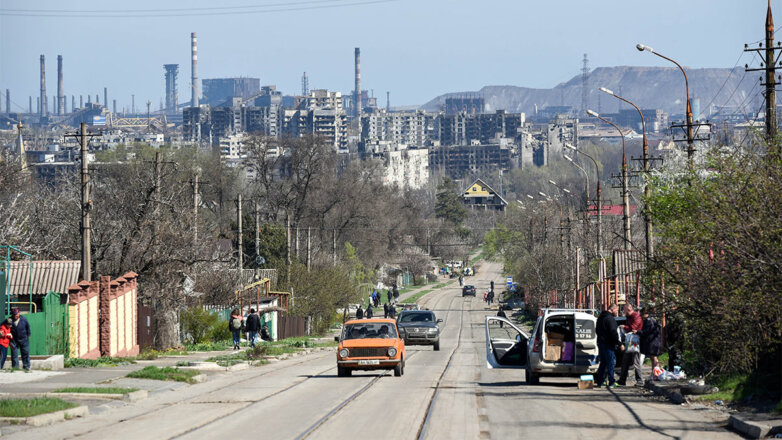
[419, 327]
[370, 344]
[563, 343]
[408, 306]
[468, 289]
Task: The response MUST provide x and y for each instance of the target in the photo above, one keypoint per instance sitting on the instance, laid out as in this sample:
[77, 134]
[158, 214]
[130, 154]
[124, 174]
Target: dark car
[468, 290]
[419, 327]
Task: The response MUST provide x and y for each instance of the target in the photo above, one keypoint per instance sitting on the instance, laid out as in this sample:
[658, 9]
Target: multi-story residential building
[463, 160]
[406, 168]
[414, 129]
[218, 90]
[463, 129]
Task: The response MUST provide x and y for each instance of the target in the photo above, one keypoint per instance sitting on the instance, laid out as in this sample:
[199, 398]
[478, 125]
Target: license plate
[369, 362]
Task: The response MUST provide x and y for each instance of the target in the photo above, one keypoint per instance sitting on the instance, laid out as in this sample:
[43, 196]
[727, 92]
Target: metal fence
[49, 327]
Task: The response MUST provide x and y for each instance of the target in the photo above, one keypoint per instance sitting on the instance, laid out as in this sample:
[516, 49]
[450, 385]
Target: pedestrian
[607, 343]
[491, 285]
[385, 309]
[6, 339]
[396, 294]
[461, 281]
[20, 331]
[359, 312]
[369, 311]
[235, 326]
[486, 296]
[392, 311]
[631, 357]
[651, 337]
[389, 294]
[253, 326]
[490, 297]
[502, 314]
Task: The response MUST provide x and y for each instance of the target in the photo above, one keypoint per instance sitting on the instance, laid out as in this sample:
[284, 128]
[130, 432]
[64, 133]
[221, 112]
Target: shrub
[198, 324]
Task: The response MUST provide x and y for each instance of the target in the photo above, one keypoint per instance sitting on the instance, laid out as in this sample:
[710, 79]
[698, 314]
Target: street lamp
[570, 146]
[690, 146]
[561, 221]
[625, 182]
[647, 219]
[586, 178]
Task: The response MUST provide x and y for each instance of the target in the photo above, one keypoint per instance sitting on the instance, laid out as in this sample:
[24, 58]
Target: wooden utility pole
[86, 203]
[769, 62]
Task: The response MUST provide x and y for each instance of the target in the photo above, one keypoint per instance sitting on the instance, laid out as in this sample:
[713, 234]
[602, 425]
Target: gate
[145, 328]
[291, 326]
[49, 327]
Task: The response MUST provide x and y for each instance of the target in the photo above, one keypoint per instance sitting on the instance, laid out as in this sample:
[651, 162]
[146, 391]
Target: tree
[449, 205]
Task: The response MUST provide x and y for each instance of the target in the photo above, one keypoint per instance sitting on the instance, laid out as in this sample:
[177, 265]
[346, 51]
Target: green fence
[49, 327]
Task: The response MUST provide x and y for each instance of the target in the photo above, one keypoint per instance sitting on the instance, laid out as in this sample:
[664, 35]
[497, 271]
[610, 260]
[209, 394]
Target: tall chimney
[7, 101]
[73, 103]
[357, 99]
[60, 92]
[194, 70]
[114, 106]
[106, 97]
[30, 105]
[42, 105]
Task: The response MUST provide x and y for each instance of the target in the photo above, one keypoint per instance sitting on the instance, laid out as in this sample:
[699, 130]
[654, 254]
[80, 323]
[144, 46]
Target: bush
[218, 331]
[198, 324]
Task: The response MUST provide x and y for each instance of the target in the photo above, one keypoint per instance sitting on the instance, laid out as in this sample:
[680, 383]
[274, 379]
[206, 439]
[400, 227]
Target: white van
[563, 343]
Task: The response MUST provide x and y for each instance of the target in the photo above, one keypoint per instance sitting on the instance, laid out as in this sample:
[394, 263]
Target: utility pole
[86, 203]
[158, 172]
[334, 245]
[769, 66]
[309, 247]
[288, 247]
[149, 123]
[257, 232]
[239, 240]
[297, 242]
[195, 206]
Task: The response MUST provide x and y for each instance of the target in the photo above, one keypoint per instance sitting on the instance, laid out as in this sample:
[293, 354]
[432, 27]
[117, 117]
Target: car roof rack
[568, 310]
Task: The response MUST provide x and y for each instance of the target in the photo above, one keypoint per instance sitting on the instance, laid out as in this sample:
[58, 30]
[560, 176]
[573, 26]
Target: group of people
[251, 325]
[639, 337]
[389, 311]
[15, 335]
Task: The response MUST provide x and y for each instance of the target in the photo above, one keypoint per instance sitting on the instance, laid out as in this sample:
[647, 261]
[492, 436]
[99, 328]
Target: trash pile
[661, 374]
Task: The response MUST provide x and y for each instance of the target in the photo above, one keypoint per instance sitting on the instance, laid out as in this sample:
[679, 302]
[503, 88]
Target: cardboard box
[586, 384]
[553, 353]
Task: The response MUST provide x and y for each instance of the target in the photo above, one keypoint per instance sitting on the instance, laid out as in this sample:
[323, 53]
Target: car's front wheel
[400, 368]
[532, 378]
[437, 345]
[344, 372]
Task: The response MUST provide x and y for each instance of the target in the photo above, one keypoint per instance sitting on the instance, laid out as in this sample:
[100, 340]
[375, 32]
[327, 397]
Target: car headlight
[432, 330]
[344, 353]
[391, 351]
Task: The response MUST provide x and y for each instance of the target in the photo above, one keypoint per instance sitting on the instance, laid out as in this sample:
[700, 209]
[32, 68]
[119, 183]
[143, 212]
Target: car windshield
[416, 317]
[369, 330]
[469, 287]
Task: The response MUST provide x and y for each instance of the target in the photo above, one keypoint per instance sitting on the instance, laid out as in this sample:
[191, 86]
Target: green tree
[449, 205]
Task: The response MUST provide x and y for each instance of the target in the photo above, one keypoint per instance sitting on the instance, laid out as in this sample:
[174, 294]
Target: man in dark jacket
[369, 313]
[20, 330]
[396, 294]
[359, 313]
[391, 311]
[633, 326]
[607, 342]
[253, 326]
[389, 294]
[385, 309]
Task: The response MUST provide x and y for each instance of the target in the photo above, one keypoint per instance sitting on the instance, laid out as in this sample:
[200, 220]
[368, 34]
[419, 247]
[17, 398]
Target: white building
[405, 168]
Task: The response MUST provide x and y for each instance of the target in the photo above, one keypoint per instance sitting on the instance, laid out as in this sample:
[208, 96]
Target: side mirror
[336, 338]
[440, 320]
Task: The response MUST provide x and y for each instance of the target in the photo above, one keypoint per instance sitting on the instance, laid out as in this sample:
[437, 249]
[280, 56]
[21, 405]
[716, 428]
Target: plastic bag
[632, 343]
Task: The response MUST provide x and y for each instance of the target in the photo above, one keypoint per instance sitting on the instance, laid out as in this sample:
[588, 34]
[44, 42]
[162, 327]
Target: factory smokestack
[60, 92]
[357, 101]
[194, 70]
[7, 101]
[106, 97]
[42, 105]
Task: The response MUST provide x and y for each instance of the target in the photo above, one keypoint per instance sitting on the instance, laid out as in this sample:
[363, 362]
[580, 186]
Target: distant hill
[648, 87]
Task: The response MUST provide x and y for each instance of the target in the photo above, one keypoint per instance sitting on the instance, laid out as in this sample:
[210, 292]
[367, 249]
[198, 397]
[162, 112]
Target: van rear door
[586, 340]
[506, 344]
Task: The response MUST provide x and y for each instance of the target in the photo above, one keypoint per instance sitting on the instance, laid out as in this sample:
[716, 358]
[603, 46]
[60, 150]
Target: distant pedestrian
[490, 297]
[502, 314]
[392, 311]
[20, 331]
[253, 326]
[389, 294]
[651, 337]
[607, 343]
[461, 281]
[359, 313]
[235, 326]
[6, 338]
[370, 312]
[385, 309]
[633, 325]
[396, 294]
[486, 296]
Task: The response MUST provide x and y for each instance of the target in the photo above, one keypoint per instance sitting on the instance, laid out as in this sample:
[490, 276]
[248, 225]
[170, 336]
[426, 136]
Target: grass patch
[32, 407]
[414, 298]
[96, 390]
[165, 373]
[103, 361]
[209, 346]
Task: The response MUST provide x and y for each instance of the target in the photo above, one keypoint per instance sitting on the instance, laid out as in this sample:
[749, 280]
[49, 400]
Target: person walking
[607, 343]
[461, 281]
[253, 326]
[396, 294]
[359, 313]
[20, 331]
[389, 294]
[369, 312]
[6, 339]
[391, 311]
[385, 309]
[631, 357]
[502, 314]
[490, 297]
[651, 337]
[235, 326]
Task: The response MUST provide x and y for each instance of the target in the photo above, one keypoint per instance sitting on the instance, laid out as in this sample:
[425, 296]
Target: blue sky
[416, 49]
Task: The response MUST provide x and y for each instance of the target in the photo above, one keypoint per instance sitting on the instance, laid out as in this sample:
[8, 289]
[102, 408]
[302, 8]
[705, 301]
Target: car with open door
[563, 343]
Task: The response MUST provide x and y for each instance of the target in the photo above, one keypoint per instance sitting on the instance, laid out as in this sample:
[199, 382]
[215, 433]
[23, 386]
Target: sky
[415, 49]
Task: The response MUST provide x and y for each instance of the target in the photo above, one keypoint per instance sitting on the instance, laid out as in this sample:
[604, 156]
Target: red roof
[617, 210]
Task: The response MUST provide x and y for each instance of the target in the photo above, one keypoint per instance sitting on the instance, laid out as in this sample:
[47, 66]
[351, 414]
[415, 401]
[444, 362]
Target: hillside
[648, 87]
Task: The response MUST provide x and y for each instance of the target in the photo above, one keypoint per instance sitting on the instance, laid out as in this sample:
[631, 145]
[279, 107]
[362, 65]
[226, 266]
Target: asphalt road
[443, 395]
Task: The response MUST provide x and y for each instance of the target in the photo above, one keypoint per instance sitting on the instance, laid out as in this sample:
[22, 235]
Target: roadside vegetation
[164, 373]
[96, 390]
[32, 407]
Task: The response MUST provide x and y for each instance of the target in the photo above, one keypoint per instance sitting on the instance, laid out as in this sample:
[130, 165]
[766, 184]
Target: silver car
[563, 343]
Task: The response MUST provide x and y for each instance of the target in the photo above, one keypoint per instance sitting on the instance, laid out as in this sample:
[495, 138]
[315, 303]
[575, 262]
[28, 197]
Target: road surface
[448, 394]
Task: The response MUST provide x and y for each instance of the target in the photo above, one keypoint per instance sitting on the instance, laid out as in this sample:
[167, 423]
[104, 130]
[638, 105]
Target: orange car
[370, 344]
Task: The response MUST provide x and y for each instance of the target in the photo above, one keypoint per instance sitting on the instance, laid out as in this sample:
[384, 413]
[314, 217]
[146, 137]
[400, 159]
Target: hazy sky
[416, 49]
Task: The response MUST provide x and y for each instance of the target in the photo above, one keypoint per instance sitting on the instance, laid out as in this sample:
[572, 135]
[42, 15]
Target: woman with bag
[235, 325]
[632, 355]
[651, 338]
[5, 340]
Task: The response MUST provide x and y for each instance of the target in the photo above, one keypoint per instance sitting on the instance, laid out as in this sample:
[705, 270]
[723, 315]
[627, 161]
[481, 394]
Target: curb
[127, 397]
[49, 418]
[673, 394]
[755, 429]
[199, 378]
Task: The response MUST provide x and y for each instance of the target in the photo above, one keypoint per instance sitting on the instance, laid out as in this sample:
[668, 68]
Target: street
[448, 394]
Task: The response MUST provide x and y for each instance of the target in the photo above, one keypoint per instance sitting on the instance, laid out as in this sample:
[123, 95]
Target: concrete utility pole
[309, 247]
[334, 245]
[86, 203]
[769, 66]
[257, 233]
[158, 172]
[195, 206]
[241, 246]
[288, 247]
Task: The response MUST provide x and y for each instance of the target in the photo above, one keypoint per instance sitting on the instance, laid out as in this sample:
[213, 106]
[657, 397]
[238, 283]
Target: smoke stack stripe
[42, 99]
[194, 69]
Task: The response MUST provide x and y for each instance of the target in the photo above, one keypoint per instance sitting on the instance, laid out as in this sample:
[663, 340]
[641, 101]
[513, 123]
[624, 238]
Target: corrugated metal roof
[48, 276]
[626, 262]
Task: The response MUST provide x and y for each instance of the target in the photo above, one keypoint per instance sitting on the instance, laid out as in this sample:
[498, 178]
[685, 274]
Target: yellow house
[479, 195]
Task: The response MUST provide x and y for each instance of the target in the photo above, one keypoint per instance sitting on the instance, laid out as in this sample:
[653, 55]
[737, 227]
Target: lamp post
[647, 218]
[570, 146]
[561, 221]
[690, 142]
[625, 183]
